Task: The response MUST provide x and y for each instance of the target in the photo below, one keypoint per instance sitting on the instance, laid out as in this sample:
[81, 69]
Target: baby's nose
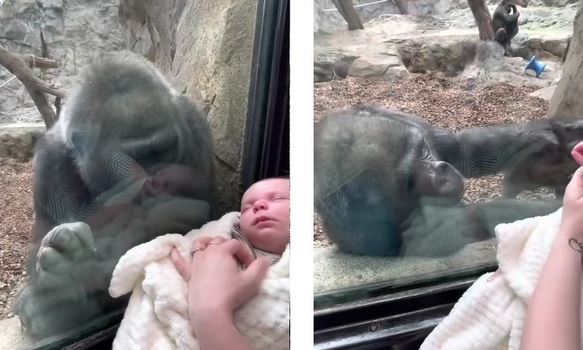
[260, 205]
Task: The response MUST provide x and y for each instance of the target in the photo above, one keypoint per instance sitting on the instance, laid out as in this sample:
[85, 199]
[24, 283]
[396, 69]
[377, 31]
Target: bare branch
[40, 62]
[20, 66]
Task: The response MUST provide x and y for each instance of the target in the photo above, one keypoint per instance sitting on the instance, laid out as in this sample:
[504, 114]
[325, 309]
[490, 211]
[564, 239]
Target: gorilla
[389, 184]
[530, 155]
[129, 159]
[505, 21]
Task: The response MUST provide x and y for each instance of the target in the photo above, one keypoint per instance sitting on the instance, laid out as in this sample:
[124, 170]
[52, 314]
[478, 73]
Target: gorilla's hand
[66, 254]
[57, 296]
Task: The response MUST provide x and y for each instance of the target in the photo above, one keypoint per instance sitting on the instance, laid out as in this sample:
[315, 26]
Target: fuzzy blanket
[491, 313]
[157, 313]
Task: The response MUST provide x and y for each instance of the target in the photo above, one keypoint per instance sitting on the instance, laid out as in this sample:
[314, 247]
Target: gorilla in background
[129, 159]
[389, 184]
[505, 21]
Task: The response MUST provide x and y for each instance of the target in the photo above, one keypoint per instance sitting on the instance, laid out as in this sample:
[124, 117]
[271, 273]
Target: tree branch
[40, 62]
[20, 66]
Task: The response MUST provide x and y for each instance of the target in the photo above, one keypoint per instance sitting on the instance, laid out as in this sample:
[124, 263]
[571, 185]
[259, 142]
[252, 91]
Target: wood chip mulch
[16, 218]
[447, 102]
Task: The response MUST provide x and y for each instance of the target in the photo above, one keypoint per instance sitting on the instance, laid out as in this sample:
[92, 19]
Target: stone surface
[203, 47]
[373, 67]
[74, 31]
[448, 42]
[450, 56]
[542, 48]
[332, 65]
[12, 336]
[335, 270]
[544, 93]
[395, 73]
[206, 48]
[17, 141]
[328, 19]
[567, 98]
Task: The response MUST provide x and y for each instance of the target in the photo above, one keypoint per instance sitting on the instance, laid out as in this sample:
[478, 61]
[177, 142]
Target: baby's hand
[572, 220]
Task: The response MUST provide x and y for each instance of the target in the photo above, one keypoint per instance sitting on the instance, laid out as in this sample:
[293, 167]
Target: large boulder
[448, 56]
[206, 47]
[18, 141]
[73, 31]
[543, 48]
[567, 99]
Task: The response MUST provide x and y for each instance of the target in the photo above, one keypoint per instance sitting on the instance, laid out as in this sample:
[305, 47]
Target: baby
[264, 220]
[263, 224]
[172, 309]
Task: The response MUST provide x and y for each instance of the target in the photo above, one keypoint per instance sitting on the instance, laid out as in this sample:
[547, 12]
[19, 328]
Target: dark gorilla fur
[505, 21]
[122, 121]
[382, 187]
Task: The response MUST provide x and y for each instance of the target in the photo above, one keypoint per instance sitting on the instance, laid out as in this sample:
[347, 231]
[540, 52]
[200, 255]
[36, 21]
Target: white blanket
[157, 313]
[491, 313]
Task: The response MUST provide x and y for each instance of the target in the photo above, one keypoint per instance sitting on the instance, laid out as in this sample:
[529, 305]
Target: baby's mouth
[261, 219]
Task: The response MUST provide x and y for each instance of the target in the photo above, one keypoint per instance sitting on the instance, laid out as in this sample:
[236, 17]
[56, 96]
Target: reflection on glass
[423, 145]
[128, 160]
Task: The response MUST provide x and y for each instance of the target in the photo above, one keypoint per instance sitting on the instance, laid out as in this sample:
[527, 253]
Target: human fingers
[255, 273]
[241, 251]
[201, 242]
[217, 240]
[578, 177]
[181, 265]
[577, 153]
[198, 245]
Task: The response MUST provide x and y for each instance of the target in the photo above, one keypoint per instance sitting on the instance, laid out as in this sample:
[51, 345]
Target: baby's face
[265, 215]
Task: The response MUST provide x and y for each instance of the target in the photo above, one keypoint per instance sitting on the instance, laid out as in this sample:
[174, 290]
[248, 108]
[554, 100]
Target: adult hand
[572, 220]
[217, 284]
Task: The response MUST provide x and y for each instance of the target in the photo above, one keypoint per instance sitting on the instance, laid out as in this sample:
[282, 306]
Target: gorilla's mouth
[452, 187]
[440, 181]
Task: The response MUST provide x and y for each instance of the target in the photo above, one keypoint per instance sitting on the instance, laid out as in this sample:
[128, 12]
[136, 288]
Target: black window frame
[388, 315]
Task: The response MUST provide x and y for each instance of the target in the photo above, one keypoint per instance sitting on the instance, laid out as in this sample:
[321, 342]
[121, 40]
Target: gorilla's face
[374, 156]
[431, 177]
[372, 168]
[414, 166]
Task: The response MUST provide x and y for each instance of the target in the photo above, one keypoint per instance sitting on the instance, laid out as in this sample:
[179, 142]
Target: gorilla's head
[372, 168]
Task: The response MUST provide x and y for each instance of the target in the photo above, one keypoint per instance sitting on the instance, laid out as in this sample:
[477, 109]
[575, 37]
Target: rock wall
[205, 47]
[18, 143]
[73, 31]
[327, 19]
[566, 101]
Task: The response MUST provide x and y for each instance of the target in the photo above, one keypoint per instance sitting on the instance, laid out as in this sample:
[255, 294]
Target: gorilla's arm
[438, 231]
[489, 150]
[75, 264]
[502, 14]
[62, 196]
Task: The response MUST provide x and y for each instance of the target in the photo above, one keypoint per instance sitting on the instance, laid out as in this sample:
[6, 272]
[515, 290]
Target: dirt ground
[443, 101]
[16, 217]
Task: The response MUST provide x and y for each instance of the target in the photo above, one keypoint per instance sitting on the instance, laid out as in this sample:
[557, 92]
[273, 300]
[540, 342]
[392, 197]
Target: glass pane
[150, 97]
[426, 138]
